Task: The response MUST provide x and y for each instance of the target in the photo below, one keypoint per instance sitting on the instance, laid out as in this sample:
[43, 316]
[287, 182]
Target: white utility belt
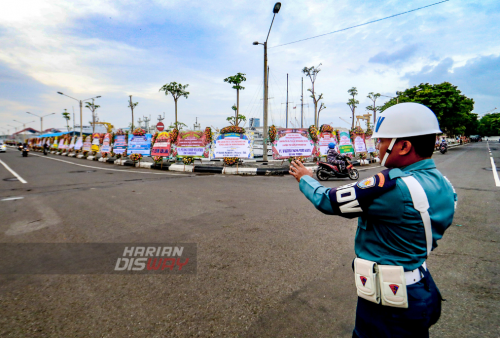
[414, 276]
[384, 284]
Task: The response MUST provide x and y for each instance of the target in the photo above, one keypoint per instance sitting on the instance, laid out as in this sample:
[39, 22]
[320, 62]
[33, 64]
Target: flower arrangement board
[192, 144]
[325, 138]
[359, 143]
[72, 143]
[139, 144]
[370, 144]
[162, 146]
[232, 145]
[106, 144]
[345, 144]
[96, 142]
[47, 141]
[87, 145]
[120, 145]
[293, 143]
[61, 144]
[55, 144]
[78, 143]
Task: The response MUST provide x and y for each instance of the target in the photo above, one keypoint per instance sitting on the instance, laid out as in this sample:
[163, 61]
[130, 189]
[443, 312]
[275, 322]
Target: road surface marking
[12, 198]
[127, 171]
[363, 169]
[495, 173]
[13, 172]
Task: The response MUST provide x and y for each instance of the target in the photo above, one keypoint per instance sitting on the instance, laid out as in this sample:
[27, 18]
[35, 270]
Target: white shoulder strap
[420, 203]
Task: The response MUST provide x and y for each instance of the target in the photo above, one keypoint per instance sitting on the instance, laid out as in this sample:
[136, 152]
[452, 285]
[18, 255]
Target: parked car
[3, 147]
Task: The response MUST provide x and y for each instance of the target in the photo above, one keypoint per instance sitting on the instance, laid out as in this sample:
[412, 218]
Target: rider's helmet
[331, 145]
[405, 120]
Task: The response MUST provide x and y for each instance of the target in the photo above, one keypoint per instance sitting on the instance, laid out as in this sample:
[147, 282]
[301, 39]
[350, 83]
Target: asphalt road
[269, 264]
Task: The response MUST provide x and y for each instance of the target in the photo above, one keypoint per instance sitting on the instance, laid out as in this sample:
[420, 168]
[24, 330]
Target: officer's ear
[404, 147]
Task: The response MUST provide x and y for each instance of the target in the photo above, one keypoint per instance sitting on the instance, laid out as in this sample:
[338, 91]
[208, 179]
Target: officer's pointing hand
[298, 170]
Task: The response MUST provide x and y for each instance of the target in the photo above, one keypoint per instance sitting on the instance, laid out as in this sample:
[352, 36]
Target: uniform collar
[406, 171]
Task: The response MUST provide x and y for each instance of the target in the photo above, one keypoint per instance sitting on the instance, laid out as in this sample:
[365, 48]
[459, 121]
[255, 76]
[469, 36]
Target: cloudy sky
[133, 47]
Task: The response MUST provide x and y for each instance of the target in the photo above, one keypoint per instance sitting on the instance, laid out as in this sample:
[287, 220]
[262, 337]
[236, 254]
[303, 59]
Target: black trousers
[424, 310]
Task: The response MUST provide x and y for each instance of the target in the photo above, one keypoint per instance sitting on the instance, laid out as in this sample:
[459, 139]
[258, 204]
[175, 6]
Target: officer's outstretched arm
[317, 194]
[350, 200]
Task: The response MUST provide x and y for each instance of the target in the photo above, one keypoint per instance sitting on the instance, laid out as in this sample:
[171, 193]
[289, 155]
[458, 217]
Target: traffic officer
[402, 212]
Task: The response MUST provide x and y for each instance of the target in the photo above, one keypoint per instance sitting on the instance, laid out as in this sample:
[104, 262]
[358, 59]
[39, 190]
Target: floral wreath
[369, 132]
[120, 132]
[188, 160]
[272, 133]
[313, 133]
[135, 157]
[157, 159]
[326, 128]
[230, 161]
[357, 130]
[139, 132]
[300, 159]
[232, 129]
[173, 135]
[153, 139]
[208, 134]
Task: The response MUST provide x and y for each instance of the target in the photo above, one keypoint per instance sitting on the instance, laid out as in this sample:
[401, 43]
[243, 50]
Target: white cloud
[59, 44]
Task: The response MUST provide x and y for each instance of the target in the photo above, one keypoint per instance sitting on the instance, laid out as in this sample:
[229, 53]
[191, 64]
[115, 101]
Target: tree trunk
[176, 127]
[237, 105]
[315, 106]
[353, 112]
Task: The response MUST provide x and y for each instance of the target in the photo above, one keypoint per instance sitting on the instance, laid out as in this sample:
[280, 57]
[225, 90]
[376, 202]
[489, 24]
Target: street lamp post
[81, 109]
[276, 9]
[41, 119]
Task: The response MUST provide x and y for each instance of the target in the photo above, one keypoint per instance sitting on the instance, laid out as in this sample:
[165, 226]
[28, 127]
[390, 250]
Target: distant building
[99, 128]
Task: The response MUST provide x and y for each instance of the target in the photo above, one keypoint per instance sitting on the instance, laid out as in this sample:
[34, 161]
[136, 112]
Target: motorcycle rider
[334, 158]
[444, 144]
[45, 148]
[403, 211]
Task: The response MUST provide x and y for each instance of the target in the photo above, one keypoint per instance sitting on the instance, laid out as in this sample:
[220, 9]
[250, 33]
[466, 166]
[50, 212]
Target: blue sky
[89, 48]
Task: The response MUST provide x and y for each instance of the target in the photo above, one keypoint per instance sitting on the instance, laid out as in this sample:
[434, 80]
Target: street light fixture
[81, 109]
[276, 9]
[392, 97]
[41, 119]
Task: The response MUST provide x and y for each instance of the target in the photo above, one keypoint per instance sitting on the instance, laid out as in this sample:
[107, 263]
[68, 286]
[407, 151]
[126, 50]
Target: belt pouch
[365, 274]
[393, 286]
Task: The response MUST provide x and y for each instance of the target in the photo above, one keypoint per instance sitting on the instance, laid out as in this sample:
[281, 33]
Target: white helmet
[406, 120]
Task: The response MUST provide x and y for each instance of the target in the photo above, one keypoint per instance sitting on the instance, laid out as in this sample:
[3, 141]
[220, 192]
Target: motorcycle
[327, 170]
[24, 151]
[443, 148]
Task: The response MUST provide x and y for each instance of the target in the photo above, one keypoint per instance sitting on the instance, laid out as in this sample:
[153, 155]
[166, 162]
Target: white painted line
[127, 171]
[369, 168]
[495, 173]
[13, 172]
[12, 198]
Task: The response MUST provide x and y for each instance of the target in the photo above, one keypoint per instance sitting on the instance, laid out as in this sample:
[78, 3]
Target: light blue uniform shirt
[390, 230]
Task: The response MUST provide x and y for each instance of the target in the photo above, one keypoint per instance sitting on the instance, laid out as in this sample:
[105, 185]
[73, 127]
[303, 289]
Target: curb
[212, 170]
